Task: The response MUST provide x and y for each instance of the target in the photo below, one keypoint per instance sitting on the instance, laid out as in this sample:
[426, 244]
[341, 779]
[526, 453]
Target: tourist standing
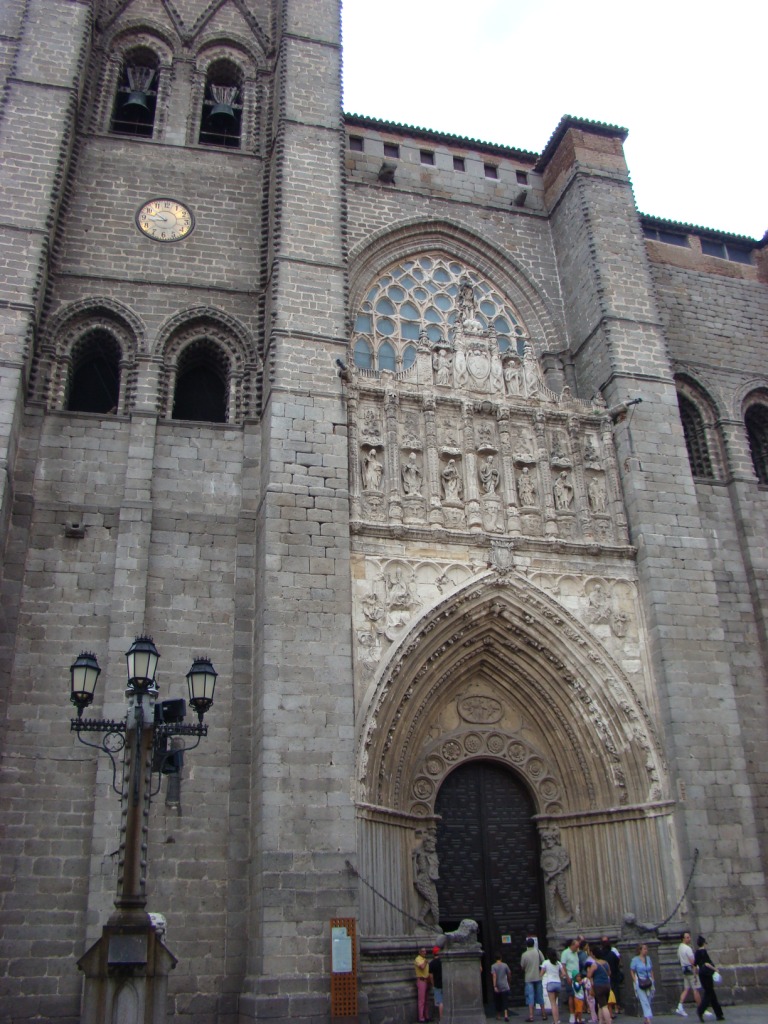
[502, 976]
[641, 969]
[530, 962]
[569, 958]
[436, 980]
[421, 967]
[552, 973]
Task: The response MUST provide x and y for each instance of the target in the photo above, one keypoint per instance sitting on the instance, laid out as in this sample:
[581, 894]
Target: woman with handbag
[707, 972]
[641, 969]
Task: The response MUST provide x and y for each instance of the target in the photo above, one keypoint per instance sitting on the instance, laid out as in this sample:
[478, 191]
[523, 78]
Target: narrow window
[491, 170]
[427, 157]
[756, 421]
[409, 357]
[201, 386]
[363, 356]
[222, 114]
[136, 97]
[387, 359]
[356, 144]
[522, 177]
[94, 382]
[695, 438]
[391, 150]
[459, 163]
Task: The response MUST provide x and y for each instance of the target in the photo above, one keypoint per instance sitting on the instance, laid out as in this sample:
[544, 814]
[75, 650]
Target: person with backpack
[599, 973]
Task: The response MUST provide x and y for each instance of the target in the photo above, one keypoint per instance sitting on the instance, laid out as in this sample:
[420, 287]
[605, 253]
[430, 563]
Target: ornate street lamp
[128, 941]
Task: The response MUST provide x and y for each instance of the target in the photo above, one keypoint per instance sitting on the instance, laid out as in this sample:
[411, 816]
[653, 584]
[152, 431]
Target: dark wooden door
[488, 848]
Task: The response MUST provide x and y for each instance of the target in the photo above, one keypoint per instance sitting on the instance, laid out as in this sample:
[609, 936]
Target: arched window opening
[222, 114]
[386, 357]
[756, 421]
[201, 385]
[94, 382]
[136, 98]
[695, 438]
[363, 355]
[409, 357]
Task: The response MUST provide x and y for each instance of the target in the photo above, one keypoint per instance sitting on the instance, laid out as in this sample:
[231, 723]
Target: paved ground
[750, 1014]
[754, 1013]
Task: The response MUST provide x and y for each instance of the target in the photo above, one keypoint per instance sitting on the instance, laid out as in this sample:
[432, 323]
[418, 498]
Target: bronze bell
[222, 116]
[137, 101]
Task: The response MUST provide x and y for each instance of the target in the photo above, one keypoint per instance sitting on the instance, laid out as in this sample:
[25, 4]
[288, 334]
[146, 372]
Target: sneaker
[680, 1011]
[708, 1015]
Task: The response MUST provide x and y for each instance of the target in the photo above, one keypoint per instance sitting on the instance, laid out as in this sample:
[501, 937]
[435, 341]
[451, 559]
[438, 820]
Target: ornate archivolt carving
[526, 653]
[475, 740]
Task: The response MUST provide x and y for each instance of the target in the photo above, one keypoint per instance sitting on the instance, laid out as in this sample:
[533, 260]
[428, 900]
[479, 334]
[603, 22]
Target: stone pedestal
[462, 986]
[126, 977]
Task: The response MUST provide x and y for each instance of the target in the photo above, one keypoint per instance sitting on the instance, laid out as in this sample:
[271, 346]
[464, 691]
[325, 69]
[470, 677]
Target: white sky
[686, 78]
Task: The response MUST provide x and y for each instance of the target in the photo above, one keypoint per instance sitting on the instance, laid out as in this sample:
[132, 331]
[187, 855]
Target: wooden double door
[488, 850]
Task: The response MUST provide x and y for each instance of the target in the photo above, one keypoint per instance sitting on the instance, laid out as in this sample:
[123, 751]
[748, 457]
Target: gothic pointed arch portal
[499, 671]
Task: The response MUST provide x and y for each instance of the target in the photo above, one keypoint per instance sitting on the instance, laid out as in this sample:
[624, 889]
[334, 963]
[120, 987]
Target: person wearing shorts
[436, 980]
[691, 982]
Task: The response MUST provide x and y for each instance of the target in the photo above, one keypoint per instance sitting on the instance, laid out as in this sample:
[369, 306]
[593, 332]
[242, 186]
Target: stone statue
[425, 874]
[531, 374]
[464, 935]
[411, 475]
[489, 476]
[526, 488]
[497, 380]
[373, 471]
[599, 606]
[596, 494]
[441, 364]
[451, 482]
[554, 863]
[512, 375]
[466, 299]
[563, 492]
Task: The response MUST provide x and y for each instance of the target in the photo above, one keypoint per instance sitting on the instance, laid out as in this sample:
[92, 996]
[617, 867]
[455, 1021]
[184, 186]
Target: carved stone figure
[466, 299]
[451, 482]
[591, 454]
[526, 488]
[372, 470]
[443, 367]
[563, 492]
[531, 374]
[599, 606]
[373, 609]
[370, 427]
[513, 375]
[554, 863]
[425, 875]
[596, 494]
[411, 475]
[464, 935]
[559, 455]
[489, 476]
[497, 380]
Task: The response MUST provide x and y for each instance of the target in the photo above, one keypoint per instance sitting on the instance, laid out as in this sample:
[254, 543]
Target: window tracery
[420, 300]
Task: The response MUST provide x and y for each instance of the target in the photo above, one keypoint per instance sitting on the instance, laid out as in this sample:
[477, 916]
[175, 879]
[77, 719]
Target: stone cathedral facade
[453, 463]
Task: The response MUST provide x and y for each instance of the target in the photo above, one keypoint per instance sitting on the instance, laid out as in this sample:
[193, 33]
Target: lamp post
[129, 947]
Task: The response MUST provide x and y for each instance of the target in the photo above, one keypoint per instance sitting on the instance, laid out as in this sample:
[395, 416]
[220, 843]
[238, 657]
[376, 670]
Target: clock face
[165, 220]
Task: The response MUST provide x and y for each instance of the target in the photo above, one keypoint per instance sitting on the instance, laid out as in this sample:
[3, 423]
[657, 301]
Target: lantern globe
[84, 673]
[142, 658]
[201, 680]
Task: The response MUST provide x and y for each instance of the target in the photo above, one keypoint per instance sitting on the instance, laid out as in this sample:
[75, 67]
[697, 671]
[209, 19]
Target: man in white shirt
[686, 958]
